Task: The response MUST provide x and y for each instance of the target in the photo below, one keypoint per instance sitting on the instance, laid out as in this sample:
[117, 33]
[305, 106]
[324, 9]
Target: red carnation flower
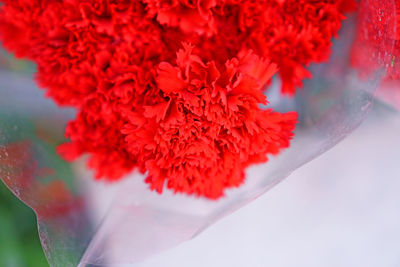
[189, 16]
[208, 126]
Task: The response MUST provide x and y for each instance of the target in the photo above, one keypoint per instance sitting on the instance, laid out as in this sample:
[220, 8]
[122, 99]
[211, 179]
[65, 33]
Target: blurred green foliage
[19, 240]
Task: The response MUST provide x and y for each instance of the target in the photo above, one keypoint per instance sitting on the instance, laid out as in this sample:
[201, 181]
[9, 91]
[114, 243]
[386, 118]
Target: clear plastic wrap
[83, 222]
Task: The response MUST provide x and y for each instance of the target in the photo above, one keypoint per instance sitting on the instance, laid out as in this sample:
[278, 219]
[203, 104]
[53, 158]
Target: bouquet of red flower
[190, 94]
[173, 88]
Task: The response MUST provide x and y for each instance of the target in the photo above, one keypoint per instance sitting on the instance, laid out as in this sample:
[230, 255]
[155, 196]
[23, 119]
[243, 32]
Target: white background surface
[342, 209]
